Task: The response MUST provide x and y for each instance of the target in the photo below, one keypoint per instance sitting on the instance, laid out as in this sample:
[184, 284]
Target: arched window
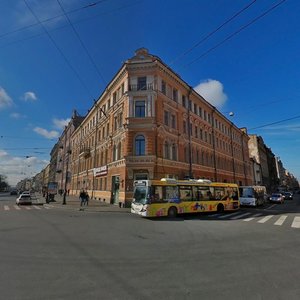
[140, 145]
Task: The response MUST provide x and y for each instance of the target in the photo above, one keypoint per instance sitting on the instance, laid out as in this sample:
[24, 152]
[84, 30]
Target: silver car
[23, 199]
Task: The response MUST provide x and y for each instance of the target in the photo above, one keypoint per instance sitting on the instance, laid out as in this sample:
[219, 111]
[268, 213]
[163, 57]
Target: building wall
[149, 123]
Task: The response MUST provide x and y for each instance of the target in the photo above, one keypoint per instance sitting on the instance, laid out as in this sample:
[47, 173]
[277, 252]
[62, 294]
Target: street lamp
[66, 178]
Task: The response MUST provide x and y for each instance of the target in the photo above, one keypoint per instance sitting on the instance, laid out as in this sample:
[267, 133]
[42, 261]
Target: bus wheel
[220, 208]
[172, 212]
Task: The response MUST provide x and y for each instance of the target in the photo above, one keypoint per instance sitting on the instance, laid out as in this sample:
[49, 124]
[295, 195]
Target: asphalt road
[69, 254]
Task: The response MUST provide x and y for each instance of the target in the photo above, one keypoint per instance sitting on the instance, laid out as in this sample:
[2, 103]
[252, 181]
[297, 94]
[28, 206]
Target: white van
[252, 195]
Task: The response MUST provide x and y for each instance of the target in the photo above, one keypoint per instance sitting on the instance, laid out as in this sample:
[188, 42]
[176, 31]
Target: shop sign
[101, 171]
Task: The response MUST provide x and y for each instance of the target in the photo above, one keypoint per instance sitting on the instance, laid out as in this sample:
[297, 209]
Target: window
[184, 126]
[142, 83]
[115, 123]
[140, 109]
[114, 153]
[166, 150]
[173, 118]
[183, 101]
[166, 118]
[174, 152]
[163, 87]
[140, 145]
[200, 112]
[175, 95]
[114, 98]
[119, 150]
[185, 193]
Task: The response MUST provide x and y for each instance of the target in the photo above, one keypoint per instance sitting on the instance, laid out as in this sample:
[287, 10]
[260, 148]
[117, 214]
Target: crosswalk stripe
[296, 222]
[265, 219]
[240, 216]
[28, 207]
[6, 207]
[280, 221]
[36, 207]
[229, 215]
[17, 207]
[252, 218]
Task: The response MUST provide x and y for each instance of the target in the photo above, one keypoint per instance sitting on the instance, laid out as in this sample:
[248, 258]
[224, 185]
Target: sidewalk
[73, 203]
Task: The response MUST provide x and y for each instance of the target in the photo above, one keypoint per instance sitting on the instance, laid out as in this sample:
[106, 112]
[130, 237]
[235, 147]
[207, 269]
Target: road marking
[265, 219]
[6, 207]
[17, 207]
[280, 221]
[252, 218]
[296, 222]
[28, 207]
[270, 207]
[240, 216]
[229, 215]
[36, 207]
[47, 207]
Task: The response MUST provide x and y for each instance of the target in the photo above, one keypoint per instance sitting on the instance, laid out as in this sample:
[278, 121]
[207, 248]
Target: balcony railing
[85, 152]
[140, 87]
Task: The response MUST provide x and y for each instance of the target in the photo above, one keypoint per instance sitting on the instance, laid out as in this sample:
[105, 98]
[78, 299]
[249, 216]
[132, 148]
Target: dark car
[288, 196]
[13, 192]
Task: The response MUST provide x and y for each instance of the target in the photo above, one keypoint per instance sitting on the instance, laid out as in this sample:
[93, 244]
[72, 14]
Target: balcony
[85, 152]
[141, 87]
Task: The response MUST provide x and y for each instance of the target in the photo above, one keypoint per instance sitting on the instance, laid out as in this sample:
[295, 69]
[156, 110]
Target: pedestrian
[82, 197]
[87, 198]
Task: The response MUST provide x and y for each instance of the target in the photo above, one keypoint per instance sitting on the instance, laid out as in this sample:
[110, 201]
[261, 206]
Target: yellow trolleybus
[169, 197]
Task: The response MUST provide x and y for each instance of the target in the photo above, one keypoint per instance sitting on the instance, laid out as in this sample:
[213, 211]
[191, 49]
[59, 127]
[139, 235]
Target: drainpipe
[189, 136]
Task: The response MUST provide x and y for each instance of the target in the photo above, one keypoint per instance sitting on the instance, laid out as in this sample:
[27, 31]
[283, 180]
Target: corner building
[149, 124]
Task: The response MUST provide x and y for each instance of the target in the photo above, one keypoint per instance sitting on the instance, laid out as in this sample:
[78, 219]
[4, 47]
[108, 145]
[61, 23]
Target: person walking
[82, 197]
[87, 198]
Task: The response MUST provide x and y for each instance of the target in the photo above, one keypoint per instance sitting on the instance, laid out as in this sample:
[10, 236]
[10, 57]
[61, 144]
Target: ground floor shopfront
[113, 183]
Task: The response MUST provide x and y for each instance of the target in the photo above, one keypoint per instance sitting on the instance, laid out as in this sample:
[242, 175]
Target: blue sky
[250, 66]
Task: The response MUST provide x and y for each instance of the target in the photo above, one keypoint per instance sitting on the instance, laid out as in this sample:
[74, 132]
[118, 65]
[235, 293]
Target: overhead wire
[82, 44]
[60, 51]
[275, 123]
[64, 26]
[236, 32]
[51, 18]
[213, 31]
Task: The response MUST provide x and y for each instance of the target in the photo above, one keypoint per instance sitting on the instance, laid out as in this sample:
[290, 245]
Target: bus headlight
[145, 207]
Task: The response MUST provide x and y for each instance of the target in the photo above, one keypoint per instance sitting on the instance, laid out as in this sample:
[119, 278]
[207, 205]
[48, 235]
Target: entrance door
[115, 189]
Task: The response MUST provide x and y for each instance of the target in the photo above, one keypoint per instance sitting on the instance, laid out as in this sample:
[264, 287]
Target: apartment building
[149, 124]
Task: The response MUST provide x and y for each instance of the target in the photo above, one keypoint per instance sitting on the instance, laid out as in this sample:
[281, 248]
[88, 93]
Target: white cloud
[17, 168]
[45, 133]
[5, 100]
[16, 116]
[61, 123]
[212, 91]
[29, 96]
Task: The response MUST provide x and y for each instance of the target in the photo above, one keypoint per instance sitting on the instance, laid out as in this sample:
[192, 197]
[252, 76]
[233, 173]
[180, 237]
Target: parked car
[13, 192]
[288, 195]
[277, 197]
[23, 199]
